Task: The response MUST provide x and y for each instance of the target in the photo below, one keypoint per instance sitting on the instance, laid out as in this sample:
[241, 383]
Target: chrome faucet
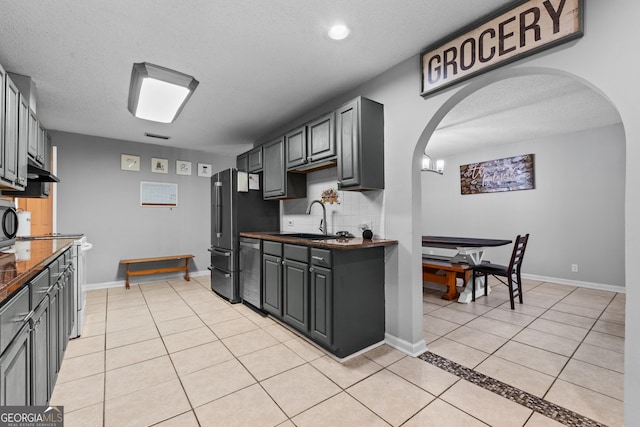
[323, 224]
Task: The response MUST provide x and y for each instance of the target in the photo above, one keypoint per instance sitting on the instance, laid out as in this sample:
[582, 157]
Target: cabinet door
[9, 162]
[15, 371]
[242, 162]
[273, 167]
[71, 295]
[3, 79]
[44, 147]
[321, 304]
[23, 142]
[296, 288]
[348, 144]
[34, 132]
[272, 284]
[40, 330]
[54, 333]
[321, 138]
[296, 146]
[255, 160]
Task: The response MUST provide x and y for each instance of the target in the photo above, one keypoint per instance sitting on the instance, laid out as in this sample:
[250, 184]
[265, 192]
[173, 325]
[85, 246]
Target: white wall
[98, 199]
[575, 214]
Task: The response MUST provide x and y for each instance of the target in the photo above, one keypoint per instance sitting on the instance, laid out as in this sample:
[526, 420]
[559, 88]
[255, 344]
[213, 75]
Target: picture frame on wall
[204, 170]
[159, 165]
[183, 168]
[129, 162]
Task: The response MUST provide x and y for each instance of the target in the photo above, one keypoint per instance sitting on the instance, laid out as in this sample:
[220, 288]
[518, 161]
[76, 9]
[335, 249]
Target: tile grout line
[514, 394]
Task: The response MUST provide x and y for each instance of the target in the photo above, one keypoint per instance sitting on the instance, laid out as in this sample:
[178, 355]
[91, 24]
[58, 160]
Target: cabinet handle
[283, 263]
[311, 269]
[318, 258]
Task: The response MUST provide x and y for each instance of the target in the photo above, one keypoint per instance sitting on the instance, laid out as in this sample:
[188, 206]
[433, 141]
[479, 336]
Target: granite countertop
[342, 243]
[24, 260]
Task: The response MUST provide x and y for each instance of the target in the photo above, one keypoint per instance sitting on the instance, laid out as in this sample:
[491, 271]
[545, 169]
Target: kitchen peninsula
[329, 289]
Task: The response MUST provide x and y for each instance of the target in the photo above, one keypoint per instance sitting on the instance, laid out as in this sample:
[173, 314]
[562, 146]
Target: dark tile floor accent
[541, 406]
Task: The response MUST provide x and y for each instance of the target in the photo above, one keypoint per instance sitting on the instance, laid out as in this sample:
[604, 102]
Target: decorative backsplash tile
[349, 210]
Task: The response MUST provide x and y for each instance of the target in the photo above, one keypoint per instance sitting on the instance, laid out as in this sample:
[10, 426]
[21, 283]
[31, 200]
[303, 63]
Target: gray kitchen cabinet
[295, 284]
[277, 182]
[321, 304]
[34, 132]
[23, 142]
[255, 160]
[40, 376]
[242, 162]
[15, 350]
[15, 370]
[54, 335]
[44, 147]
[272, 278]
[360, 144]
[312, 146]
[3, 82]
[9, 155]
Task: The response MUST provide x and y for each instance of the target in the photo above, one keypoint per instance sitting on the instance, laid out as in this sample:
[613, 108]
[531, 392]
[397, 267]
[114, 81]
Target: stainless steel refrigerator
[235, 209]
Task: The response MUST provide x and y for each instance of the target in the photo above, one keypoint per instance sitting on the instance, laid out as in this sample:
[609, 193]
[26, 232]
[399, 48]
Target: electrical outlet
[289, 223]
[574, 268]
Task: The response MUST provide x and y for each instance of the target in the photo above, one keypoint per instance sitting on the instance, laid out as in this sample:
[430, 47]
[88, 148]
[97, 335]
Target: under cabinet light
[157, 93]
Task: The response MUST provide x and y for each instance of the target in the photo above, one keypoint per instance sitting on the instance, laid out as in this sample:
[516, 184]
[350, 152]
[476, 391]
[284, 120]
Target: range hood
[37, 174]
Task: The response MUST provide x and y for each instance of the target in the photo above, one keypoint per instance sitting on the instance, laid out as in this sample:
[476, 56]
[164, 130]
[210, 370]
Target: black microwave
[8, 223]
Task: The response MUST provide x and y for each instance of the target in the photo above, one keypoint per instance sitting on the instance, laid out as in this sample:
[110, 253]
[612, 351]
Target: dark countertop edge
[22, 279]
[342, 244]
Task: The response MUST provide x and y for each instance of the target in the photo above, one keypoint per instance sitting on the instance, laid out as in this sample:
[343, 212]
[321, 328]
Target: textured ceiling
[260, 63]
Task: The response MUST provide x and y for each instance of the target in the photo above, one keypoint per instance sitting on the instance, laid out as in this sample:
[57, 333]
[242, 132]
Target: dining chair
[510, 272]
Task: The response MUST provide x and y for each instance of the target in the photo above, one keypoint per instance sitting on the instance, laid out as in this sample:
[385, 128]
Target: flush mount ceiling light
[157, 93]
[339, 32]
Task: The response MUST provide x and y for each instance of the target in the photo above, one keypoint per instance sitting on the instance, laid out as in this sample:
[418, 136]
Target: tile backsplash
[351, 210]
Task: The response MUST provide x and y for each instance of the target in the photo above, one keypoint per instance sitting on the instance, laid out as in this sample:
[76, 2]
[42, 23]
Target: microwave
[8, 222]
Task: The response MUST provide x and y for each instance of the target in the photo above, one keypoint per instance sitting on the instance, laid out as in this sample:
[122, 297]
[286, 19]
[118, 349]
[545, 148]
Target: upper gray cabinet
[312, 146]
[242, 162]
[277, 182]
[255, 160]
[13, 158]
[360, 142]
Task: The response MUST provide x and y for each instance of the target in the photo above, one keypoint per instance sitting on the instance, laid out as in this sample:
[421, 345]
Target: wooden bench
[185, 267]
[445, 273]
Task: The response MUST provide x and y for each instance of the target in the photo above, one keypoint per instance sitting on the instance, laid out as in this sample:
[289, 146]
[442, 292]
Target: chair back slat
[518, 253]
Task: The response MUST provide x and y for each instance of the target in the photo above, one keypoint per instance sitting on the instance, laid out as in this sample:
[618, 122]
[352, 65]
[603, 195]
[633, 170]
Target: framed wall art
[508, 174]
[204, 170]
[129, 162]
[159, 165]
[183, 168]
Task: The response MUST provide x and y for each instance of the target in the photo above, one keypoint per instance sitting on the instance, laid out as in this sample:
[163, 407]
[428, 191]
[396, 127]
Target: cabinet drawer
[272, 248]
[39, 286]
[297, 253]
[12, 317]
[321, 257]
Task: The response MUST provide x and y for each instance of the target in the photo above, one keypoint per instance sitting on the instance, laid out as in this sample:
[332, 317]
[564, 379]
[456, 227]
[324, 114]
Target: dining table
[470, 251]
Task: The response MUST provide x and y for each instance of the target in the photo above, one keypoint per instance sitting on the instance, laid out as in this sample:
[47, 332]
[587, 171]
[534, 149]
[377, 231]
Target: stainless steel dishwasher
[250, 267]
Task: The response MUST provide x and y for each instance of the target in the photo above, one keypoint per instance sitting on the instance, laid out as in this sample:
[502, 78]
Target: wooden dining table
[470, 252]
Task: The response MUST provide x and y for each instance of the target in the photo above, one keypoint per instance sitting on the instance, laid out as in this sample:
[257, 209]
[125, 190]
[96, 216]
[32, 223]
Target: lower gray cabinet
[321, 304]
[334, 297]
[15, 370]
[40, 353]
[54, 335]
[272, 284]
[296, 294]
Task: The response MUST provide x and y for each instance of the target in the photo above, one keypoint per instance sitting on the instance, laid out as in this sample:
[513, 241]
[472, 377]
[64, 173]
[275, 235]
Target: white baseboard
[118, 283]
[590, 285]
[413, 350]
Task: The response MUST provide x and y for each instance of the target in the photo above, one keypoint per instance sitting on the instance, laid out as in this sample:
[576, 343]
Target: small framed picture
[159, 165]
[204, 170]
[183, 168]
[129, 162]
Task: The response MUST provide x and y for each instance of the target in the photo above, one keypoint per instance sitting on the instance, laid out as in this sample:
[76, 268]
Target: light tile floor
[172, 353]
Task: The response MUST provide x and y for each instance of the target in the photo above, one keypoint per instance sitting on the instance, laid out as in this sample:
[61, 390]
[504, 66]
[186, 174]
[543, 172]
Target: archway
[484, 84]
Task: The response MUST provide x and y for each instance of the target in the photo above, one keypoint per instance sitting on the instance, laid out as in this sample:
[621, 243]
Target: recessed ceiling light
[339, 32]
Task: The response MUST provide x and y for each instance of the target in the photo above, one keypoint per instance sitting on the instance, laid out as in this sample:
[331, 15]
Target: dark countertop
[344, 244]
[16, 272]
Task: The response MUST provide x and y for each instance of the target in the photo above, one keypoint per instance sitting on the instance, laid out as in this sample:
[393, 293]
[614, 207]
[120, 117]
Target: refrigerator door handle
[218, 187]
